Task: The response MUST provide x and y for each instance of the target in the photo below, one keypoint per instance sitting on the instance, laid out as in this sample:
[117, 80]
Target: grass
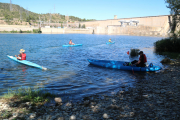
[35, 96]
[4, 31]
[15, 31]
[6, 114]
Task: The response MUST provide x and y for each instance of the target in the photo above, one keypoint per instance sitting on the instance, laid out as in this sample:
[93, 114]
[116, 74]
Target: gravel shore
[157, 98]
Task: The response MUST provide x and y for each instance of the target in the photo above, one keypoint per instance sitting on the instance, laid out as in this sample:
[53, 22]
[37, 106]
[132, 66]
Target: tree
[8, 17]
[174, 5]
[79, 25]
[61, 25]
[83, 26]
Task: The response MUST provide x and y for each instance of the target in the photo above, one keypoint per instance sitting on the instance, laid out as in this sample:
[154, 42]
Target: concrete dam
[139, 26]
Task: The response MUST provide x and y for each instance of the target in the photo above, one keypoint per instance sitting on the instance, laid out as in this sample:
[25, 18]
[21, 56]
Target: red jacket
[23, 56]
[70, 42]
[144, 58]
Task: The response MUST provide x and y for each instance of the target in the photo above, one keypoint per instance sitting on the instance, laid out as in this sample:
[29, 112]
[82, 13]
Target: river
[69, 73]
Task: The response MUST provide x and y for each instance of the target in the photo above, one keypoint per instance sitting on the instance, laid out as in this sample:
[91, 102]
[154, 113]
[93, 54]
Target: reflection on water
[69, 72]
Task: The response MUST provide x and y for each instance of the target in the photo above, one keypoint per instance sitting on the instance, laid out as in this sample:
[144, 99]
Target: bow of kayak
[27, 63]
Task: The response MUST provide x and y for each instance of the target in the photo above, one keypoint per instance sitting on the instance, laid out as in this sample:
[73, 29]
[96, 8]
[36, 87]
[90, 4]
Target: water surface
[69, 72]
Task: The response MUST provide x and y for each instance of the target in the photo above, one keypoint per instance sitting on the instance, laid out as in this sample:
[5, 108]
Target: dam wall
[65, 31]
[146, 26]
[140, 26]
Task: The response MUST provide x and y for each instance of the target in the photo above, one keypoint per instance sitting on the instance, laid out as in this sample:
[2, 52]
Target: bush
[37, 31]
[134, 52]
[168, 45]
[28, 31]
[14, 31]
[20, 31]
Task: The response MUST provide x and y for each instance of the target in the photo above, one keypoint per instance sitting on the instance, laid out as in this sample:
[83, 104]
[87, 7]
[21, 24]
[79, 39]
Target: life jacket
[23, 56]
[70, 42]
[144, 58]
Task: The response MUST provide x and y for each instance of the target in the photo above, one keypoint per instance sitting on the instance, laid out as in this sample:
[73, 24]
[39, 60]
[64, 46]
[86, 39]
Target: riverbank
[155, 98]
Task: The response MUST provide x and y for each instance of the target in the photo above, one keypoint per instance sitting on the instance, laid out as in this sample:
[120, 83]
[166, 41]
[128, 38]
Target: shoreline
[89, 34]
[155, 98]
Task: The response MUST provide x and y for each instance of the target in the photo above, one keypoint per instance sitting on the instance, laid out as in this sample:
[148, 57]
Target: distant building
[130, 23]
[47, 26]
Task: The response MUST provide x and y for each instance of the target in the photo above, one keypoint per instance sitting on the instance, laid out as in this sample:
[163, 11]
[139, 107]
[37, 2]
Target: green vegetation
[15, 31]
[172, 44]
[35, 96]
[6, 114]
[168, 45]
[134, 52]
[83, 26]
[174, 6]
[28, 31]
[37, 31]
[171, 55]
[24, 95]
[4, 31]
[20, 14]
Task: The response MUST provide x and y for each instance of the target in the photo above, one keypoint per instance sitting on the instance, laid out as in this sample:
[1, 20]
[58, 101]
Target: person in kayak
[71, 43]
[110, 40]
[22, 55]
[142, 60]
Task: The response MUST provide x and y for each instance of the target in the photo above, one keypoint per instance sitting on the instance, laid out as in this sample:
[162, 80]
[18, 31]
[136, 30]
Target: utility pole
[20, 11]
[27, 12]
[54, 9]
[10, 5]
[49, 18]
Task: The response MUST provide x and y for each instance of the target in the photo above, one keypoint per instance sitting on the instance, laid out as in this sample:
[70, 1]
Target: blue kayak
[122, 65]
[72, 45]
[27, 62]
[110, 42]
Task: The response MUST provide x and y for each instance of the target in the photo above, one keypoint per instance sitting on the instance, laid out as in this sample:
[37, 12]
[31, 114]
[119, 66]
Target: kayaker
[22, 55]
[110, 40]
[142, 60]
[71, 43]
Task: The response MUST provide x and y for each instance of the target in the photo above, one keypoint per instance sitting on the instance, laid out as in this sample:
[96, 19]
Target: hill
[19, 16]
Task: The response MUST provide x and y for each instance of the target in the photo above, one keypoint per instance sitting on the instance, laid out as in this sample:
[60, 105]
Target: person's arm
[137, 62]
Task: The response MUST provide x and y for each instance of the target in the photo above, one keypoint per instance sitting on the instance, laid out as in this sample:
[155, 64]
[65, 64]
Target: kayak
[110, 42]
[27, 62]
[72, 45]
[122, 65]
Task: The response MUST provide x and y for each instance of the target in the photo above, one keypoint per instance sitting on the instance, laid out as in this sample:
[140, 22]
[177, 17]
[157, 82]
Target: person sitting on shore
[71, 43]
[110, 40]
[142, 60]
[22, 55]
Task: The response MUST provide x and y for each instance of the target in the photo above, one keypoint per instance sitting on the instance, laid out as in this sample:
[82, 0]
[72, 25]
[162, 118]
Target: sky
[96, 9]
